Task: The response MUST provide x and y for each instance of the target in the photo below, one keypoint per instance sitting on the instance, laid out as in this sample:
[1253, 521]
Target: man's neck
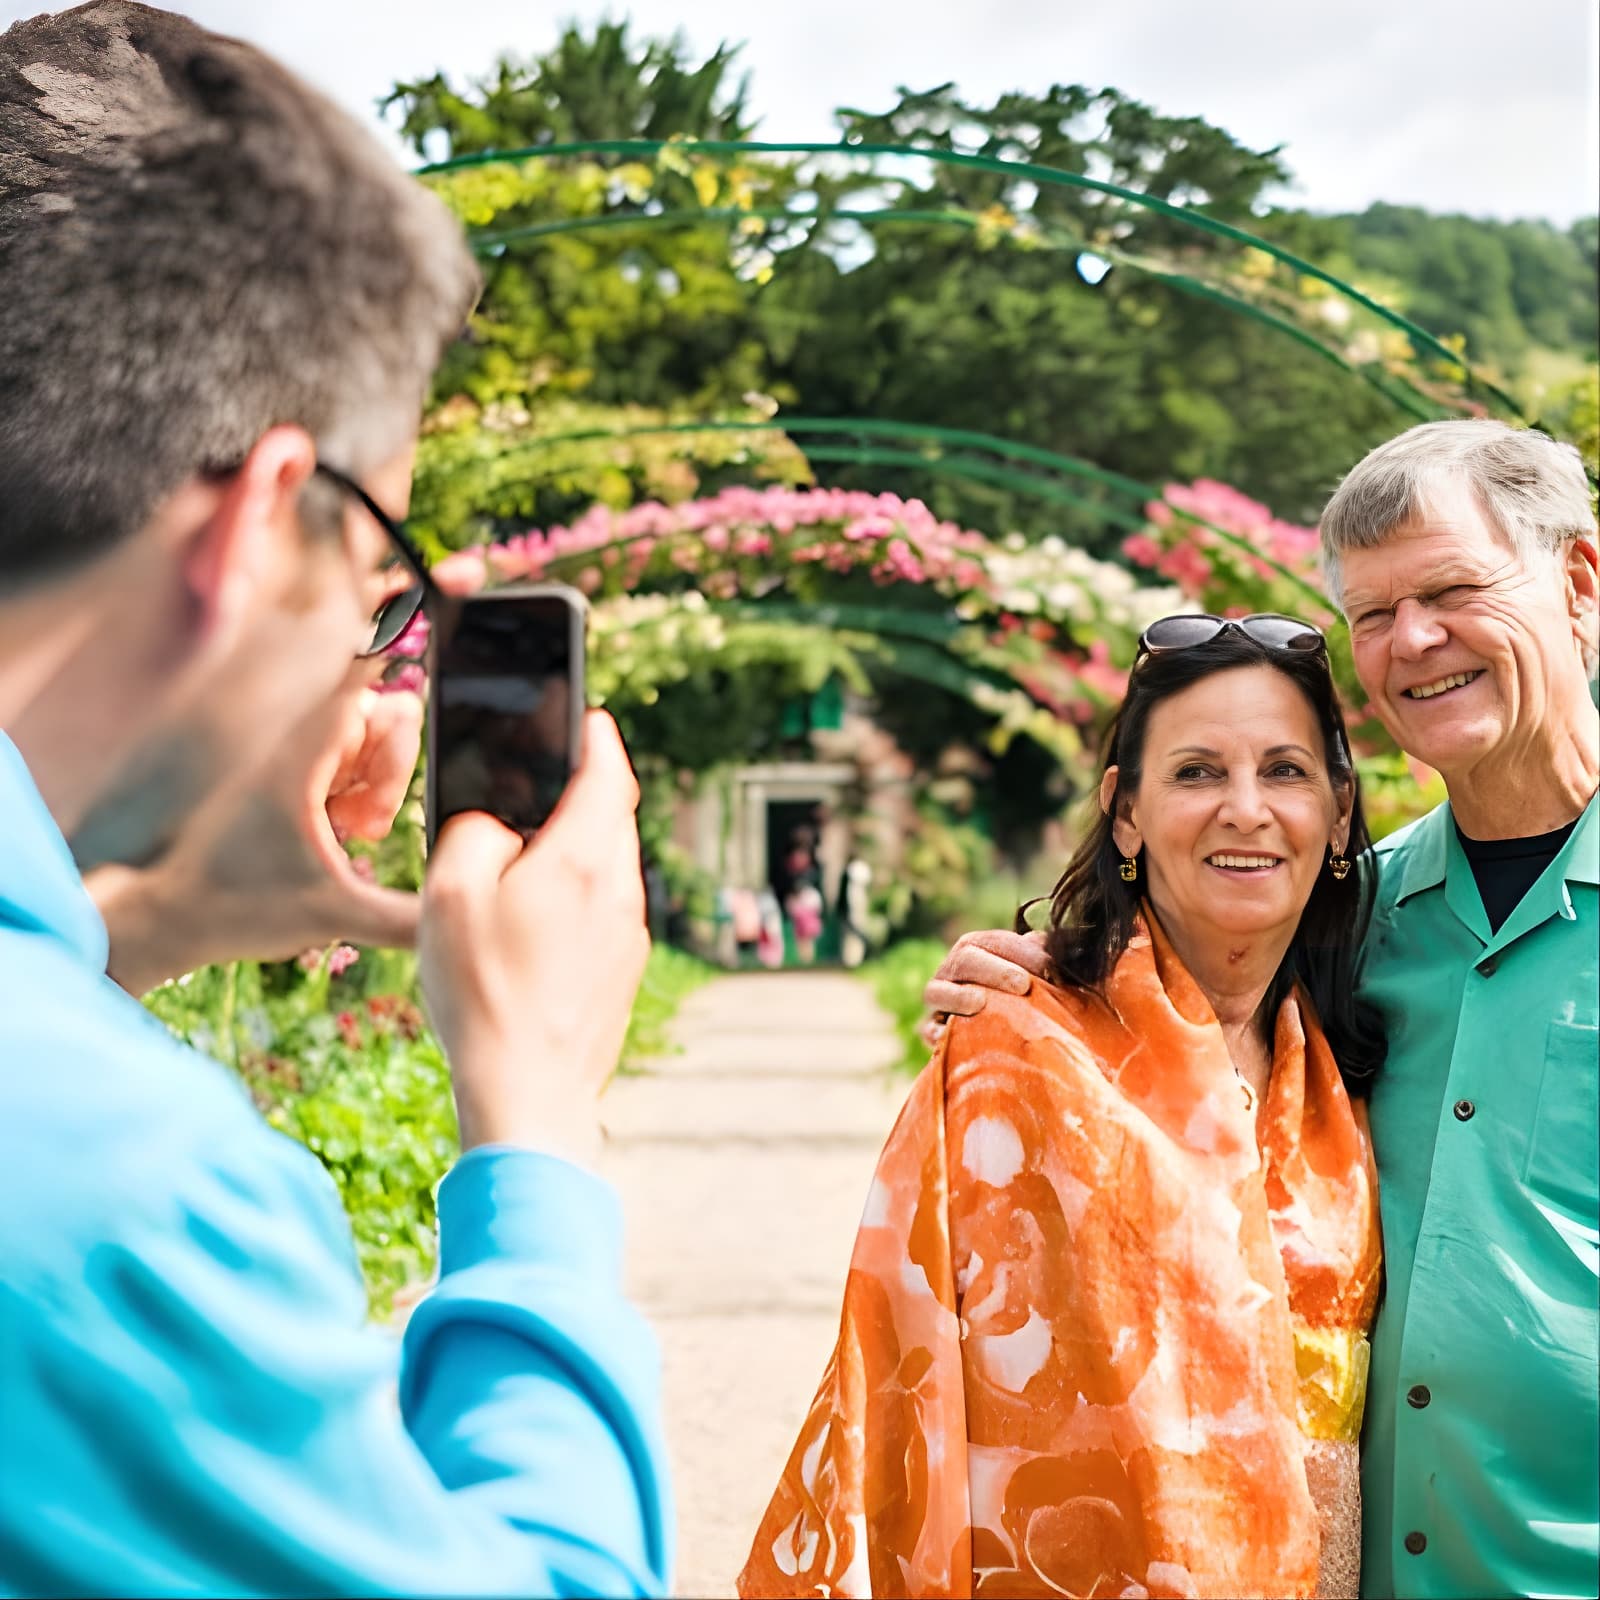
[1546, 785]
[58, 701]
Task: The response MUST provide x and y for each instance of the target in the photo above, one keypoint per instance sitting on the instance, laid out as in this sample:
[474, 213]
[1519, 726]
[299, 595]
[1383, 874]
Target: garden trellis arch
[977, 457]
[1031, 172]
[1141, 494]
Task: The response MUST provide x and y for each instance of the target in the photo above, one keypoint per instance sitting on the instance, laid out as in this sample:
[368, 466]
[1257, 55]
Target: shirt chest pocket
[1564, 1151]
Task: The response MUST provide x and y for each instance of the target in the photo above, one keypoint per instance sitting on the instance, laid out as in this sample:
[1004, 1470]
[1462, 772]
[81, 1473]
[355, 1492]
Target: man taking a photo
[216, 287]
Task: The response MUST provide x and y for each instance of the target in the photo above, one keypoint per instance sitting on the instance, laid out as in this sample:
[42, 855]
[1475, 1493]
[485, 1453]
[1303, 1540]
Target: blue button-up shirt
[191, 1398]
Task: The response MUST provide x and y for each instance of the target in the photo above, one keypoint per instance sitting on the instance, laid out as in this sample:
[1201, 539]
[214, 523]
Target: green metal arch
[953, 466]
[1033, 173]
[899, 643]
[1397, 391]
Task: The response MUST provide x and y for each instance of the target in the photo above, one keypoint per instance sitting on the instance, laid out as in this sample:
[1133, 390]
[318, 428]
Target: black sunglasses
[1269, 628]
[395, 615]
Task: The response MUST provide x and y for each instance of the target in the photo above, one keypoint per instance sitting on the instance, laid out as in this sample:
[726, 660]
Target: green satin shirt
[1481, 1452]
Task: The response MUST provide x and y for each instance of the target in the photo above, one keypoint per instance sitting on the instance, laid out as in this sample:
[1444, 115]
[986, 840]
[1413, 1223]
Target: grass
[898, 977]
[669, 976]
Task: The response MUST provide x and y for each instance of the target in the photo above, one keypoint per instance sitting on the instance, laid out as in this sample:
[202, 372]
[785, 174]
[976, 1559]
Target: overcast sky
[1457, 105]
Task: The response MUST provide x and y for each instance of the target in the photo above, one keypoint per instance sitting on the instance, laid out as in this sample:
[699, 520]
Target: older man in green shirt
[1463, 555]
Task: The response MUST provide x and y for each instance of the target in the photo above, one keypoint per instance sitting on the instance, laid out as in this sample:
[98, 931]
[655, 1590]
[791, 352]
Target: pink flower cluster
[340, 959]
[752, 524]
[1181, 556]
[406, 674]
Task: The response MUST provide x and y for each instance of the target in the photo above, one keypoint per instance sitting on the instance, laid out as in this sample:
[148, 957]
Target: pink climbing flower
[1142, 548]
[1098, 671]
[407, 679]
[464, 572]
[509, 561]
[413, 640]
[1185, 564]
[341, 958]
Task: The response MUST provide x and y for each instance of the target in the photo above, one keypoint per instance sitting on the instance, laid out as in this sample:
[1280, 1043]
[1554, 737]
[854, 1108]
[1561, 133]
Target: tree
[599, 87]
[1005, 333]
[1508, 287]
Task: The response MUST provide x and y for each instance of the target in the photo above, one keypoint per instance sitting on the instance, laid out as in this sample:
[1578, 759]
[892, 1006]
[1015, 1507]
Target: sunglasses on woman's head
[1269, 628]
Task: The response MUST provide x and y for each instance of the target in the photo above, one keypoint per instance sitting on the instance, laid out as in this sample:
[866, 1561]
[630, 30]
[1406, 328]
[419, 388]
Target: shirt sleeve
[208, 1410]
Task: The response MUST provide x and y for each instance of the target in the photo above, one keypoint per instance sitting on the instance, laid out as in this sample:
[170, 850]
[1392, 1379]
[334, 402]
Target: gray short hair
[195, 247]
[1531, 488]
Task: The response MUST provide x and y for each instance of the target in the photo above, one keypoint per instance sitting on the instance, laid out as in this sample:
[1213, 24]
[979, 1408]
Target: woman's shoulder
[1047, 1012]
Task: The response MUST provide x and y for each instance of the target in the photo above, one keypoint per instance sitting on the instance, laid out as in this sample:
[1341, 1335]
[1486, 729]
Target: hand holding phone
[506, 705]
[531, 954]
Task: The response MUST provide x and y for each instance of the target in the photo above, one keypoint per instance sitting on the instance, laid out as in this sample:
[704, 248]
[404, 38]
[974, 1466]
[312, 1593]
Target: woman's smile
[1243, 863]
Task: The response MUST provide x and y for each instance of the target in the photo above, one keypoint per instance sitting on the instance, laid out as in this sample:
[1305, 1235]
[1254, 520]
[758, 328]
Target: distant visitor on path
[1106, 1324]
[803, 893]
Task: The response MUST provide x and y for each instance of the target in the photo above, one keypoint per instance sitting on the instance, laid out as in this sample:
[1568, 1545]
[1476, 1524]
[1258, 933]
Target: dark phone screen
[502, 695]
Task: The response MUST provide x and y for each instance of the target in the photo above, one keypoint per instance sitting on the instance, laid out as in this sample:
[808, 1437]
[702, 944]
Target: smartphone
[505, 704]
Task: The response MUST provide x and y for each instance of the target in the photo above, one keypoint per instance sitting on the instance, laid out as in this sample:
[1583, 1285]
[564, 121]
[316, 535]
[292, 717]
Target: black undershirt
[1506, 869]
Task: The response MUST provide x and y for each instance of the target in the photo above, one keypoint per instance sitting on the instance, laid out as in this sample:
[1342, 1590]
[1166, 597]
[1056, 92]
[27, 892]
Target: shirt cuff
[503, 1204]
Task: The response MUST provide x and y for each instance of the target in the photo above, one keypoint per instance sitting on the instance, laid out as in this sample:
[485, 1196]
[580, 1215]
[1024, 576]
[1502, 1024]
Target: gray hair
[195, 246]
[1530, 488]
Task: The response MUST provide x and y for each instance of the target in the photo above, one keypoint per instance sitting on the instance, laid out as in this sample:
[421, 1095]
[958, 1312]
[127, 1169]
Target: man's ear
[1124, 830]
[1583, 589]
[242, 555]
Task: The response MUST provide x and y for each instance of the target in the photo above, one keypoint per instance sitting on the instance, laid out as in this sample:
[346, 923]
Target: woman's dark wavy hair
[1092, 910]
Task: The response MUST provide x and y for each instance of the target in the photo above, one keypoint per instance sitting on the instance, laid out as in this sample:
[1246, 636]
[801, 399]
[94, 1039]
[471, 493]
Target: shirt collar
[41, 890]
[1432, 842]
[1427, 852]
[1580, 855]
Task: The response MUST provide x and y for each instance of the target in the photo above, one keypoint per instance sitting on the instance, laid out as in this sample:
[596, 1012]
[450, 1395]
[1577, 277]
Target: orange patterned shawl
[1092, 1332]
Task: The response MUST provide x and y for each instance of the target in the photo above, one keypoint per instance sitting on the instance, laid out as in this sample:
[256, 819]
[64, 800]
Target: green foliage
[669, 978]
[351, 1071]
[1572, 412]
[1394, 792]
[898, 977]
[486, 470]
[943, 858]
[1139, 374]
[601, 86]
[1507, 287]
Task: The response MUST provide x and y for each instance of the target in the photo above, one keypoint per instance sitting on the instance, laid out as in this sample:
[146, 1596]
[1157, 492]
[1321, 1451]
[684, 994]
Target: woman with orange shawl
[1104, 1332]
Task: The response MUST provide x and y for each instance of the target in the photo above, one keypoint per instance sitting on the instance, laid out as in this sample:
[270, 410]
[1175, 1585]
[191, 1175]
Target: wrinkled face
[1235, 809]
[1458, 642]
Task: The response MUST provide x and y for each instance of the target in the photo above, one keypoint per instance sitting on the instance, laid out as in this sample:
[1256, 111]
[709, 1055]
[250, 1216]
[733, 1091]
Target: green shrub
[347, 1066]
[898, 977]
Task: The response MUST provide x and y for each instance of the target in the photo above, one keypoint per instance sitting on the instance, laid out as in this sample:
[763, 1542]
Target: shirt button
[1487, 965]
[1416, 1542]
[1418, 1395]
[1464, 1110]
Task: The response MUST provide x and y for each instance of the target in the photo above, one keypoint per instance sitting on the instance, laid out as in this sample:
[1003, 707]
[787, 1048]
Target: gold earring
[1129, 870]
[1339, 866]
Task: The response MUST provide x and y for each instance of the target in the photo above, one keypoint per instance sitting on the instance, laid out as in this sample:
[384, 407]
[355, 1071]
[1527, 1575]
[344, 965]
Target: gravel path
[742, 1165]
